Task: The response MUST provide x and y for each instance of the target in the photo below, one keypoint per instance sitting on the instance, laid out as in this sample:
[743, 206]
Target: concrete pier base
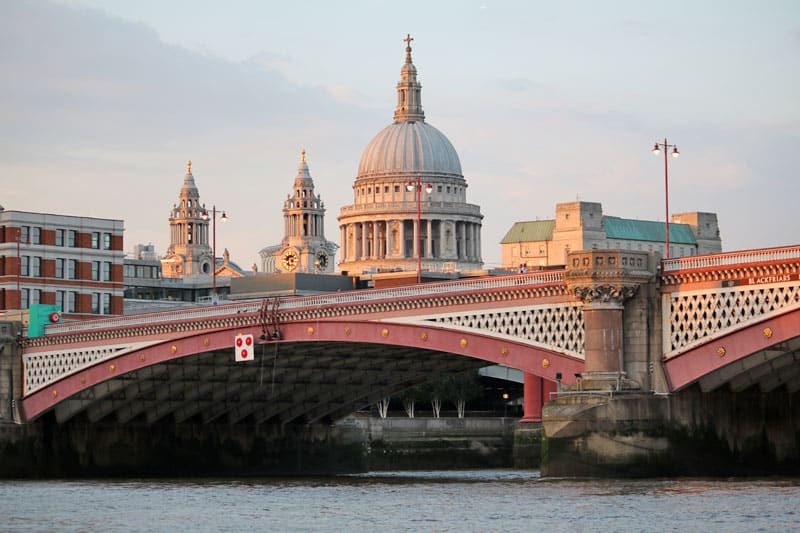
[688, 434]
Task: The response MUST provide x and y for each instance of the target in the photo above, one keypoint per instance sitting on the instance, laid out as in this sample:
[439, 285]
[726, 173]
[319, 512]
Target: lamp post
[656, 151]
[410, 186]
[224, 218]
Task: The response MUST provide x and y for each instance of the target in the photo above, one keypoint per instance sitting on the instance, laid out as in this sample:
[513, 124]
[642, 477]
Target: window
[448, 189]
[106, 303]
[59, 268]
[385, 188]
[95, 239]
[72, 297]
[37, 267]
[24, 233]
[59, 237]
[60, 299]
[106, 241]
[106, 271]
[396, 188]
[438, 188]
[24, 298]
[36, 235]
[130, 271]
[95, 270]
[72, 268]
[72, 237]
[96, 303]
[24, 267]
[36, 296]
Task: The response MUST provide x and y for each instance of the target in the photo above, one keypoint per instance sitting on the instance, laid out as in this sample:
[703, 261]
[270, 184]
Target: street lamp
[656, 151]
[224, 218]
[410, 186]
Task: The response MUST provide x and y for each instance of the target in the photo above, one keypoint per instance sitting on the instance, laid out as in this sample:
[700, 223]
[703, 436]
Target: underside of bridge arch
[764, 354]
[314, 372]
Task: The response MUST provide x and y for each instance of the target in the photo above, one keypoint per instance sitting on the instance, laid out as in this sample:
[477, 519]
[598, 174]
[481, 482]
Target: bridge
[610, 319]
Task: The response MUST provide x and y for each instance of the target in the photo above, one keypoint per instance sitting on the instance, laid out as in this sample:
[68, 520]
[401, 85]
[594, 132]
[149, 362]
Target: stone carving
[604, 293]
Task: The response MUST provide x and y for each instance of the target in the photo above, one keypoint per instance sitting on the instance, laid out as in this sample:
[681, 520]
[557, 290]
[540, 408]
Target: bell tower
[303, 247]
[189, 253]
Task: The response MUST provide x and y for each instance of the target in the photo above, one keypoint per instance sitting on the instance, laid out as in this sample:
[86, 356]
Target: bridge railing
[303, 302]
[743, 257]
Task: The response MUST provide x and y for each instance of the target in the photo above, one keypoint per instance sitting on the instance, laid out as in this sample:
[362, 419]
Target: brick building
[70, 261]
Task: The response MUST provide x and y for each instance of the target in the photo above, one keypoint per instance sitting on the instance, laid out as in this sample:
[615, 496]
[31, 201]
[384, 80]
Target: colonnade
[454, 240]
[179, 233]
[304, 225]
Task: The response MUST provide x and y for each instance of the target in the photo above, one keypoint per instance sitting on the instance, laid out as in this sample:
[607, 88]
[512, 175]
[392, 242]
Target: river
[485, 500]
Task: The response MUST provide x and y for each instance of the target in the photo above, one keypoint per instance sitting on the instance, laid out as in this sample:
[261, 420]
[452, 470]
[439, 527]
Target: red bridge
[719, 320]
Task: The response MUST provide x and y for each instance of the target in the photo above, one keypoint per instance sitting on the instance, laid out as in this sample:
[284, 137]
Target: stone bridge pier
[626, 415]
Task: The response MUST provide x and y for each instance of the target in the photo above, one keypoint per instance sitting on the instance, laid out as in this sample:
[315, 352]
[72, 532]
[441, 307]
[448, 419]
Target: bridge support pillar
[533, 395]
[603, 337]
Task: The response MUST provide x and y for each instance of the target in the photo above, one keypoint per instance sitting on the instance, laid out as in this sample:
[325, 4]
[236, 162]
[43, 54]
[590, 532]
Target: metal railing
[304, 302]
[761, 255]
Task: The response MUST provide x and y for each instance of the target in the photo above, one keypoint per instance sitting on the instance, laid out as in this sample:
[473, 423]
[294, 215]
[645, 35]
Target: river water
[485, 500]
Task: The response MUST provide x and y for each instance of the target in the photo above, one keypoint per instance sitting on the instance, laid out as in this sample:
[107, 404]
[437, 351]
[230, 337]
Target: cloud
[100, 115]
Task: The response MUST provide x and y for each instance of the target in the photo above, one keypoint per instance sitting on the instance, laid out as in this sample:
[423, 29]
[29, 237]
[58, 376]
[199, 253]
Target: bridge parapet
[350, 303]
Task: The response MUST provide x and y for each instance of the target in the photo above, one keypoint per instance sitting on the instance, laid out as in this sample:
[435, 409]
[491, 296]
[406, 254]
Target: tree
[410, 397]
[461, 388]
[383, 407]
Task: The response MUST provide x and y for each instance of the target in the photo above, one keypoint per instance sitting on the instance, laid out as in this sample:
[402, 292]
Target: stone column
[603, 280]
[364, 245]
[402, 246]
[462, 237]
[375, 242]
[428, 240]
[478, 251]
[343, 242]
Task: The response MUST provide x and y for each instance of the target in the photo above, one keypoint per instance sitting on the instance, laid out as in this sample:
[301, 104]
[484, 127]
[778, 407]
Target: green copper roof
[646, 230]
[533, 230]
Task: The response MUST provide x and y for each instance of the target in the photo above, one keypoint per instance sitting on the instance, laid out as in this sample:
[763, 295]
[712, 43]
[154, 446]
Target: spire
[303, 178]
[409, 90]
[189, 189]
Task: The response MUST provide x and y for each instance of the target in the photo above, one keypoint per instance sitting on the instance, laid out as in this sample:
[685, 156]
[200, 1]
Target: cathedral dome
[409, 147]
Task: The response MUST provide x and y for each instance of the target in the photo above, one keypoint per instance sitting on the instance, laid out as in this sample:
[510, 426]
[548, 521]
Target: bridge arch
[416, 350]
[734, 356]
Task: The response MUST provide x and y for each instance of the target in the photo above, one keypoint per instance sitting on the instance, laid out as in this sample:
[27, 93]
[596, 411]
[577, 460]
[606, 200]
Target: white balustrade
[731, 258]
[304, 302]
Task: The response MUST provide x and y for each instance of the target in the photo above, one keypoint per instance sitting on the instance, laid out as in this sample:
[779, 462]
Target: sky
[103, 101]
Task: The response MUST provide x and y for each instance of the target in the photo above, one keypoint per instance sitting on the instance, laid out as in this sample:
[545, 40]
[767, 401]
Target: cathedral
[303, 248]
[409, 197]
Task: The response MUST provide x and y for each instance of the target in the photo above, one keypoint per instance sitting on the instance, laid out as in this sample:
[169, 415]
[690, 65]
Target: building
[190, 256]
[72, 262]
[582, 226]
[304, 248]
[406, 166]
[185, 273]
[189, 253]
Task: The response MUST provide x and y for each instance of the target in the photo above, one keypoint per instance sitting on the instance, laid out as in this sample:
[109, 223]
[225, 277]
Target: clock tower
[303, 247]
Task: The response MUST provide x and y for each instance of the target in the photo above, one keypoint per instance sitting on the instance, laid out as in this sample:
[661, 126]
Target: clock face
[289, 259]
[322, 261]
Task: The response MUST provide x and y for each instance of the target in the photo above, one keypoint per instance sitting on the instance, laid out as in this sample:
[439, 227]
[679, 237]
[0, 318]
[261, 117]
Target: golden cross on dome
[189, 166]
[408, 40]
[303, 155]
